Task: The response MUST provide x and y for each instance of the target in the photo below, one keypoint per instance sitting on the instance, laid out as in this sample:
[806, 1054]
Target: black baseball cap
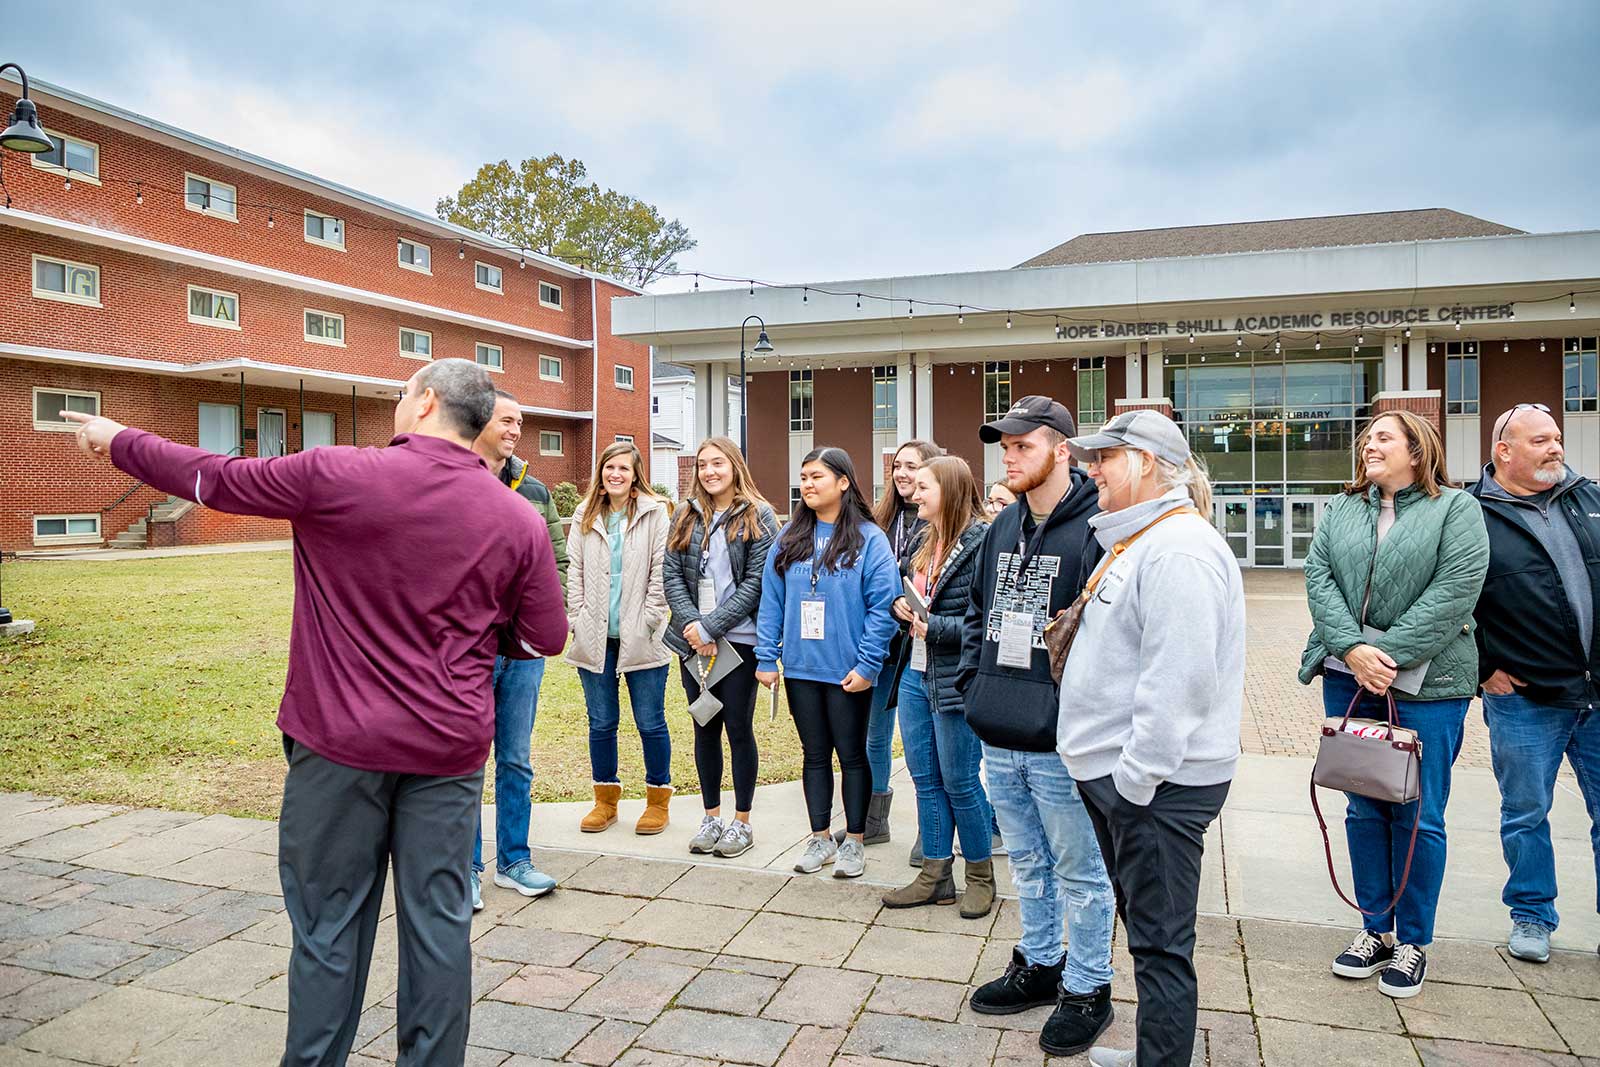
[1027, 415]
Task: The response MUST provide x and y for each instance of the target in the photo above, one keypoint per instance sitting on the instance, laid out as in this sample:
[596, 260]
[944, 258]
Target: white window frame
[560, 368]
[333, 419]
[543, 285]
[68, 538]
[75, 175]
[64, 297]
[323, 340]
[414, 243]
[220, 324]
[51, 426]
[415, 355]
[499, 289]
[496, 368]
[211, 197]
[616, 377]
[1456, 353]
[323, 241]
[543, 436]
[628, 437]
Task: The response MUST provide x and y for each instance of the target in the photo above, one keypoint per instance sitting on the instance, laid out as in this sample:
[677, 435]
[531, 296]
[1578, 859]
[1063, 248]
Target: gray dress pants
[340, 830]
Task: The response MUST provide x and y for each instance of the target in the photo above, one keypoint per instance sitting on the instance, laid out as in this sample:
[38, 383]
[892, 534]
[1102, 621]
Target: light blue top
[614, 533]
[721, 574]
[857, 621]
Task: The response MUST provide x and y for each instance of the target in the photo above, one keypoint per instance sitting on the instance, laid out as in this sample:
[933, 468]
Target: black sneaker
[1403, 977]
[1023, 986]
[1079, 1018]
[1366, 956]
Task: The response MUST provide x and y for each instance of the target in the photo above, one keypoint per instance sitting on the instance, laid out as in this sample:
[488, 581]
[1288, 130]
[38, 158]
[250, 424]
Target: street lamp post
[762, 347]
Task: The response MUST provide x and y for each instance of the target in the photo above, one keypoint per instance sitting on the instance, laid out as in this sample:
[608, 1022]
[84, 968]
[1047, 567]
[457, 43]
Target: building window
[416, 256]
[317, 431]
[324, 328]
[623, 377]
[65, 529]
[799, 401]
[884, 397]
[72, 156]
[628, 437]
[219, 429]
[213, 307]
[550, 295]
[48, 404]
[66, 281]
[325, 230]
[210, 197]
[1580, 391]
[794, 499]
[1461, 378]
[489, 356]
[489, 277]
[550, 368]
[996, 389]
[417, 344]
[655, 405]
[1091, 392]
[549, 442]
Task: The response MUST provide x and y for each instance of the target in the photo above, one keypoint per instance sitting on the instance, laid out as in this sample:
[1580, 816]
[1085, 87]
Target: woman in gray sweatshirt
[1150, 701]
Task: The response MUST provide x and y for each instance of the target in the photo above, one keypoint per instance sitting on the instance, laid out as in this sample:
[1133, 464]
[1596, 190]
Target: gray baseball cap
[1149, 431]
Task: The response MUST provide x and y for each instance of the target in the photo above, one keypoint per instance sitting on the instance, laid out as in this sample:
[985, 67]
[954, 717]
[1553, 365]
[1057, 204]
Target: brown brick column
[1423, 402]
[1161, 404]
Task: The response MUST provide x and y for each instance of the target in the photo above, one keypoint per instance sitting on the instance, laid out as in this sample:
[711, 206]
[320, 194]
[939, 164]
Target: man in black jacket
[1035, 559]
[1538, 661]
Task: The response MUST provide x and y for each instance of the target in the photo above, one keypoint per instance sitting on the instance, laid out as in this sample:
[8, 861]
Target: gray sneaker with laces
[819, 853]
[706, 838]
[1529, 941]
[737, 839]
[852, 859]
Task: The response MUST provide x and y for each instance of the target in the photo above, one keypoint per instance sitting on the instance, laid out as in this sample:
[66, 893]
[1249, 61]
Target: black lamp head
[24, 134]
[762, 345]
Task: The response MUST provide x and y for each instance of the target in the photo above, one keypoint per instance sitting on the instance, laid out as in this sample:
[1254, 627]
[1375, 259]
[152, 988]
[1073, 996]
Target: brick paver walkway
[148, 937]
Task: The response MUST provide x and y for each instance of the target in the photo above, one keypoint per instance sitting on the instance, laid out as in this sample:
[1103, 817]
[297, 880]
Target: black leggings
[737, 691]
[829, 720]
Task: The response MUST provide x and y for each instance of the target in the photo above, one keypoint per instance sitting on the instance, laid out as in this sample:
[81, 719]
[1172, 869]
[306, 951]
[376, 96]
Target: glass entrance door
[1267, 544]
[1305, 512]
[270, 437]
[1233, 519]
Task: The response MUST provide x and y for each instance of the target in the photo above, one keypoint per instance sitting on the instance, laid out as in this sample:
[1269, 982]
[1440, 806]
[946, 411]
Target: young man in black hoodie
[1036, 557]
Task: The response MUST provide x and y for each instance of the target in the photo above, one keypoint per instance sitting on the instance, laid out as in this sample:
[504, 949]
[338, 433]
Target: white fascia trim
[76, 231]
[556, 413]
[594, 371]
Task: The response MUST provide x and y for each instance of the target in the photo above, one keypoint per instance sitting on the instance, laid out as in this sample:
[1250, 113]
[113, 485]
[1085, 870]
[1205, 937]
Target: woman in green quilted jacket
[1392, 577]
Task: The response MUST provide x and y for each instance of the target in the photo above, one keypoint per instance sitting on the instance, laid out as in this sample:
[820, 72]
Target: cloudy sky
[805, 142]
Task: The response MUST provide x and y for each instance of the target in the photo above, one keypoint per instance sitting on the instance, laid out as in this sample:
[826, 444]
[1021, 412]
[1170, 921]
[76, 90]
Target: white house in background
[677, 426]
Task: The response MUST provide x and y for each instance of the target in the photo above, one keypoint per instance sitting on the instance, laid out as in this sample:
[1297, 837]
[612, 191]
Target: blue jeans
[942, 754]
[880, 730]
[647, 694]
[516, 703]
[1379, 833]
[1060, 878]
[1526, 743]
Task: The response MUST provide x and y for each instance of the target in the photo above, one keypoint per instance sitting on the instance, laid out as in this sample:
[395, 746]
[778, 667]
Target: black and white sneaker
[1403, 978]
[1366, 956]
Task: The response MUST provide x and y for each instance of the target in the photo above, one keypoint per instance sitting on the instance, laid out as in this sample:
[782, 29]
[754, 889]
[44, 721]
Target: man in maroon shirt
[409, 562]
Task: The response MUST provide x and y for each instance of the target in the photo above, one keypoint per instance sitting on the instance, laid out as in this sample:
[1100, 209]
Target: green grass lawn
[156, 682]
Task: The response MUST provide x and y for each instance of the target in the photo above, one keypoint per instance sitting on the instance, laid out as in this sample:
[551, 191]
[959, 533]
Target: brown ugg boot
[604, 813]
[977, 899]
[654, 819]
[933, 886]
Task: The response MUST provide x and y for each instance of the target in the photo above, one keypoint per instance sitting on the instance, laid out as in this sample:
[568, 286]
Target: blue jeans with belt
[516, 705]
[942, 755]
[647, 693]
[1379, 833]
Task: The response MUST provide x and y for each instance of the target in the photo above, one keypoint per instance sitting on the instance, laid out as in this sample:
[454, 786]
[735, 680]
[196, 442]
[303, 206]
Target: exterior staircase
[138, 534]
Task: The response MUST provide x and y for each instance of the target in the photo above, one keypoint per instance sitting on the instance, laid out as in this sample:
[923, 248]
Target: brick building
[1271, 342]
[224, 300]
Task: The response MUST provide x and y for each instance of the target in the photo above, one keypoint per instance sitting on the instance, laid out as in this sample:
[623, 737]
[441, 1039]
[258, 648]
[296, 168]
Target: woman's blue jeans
[1379, 833]
[647, 694]
[880, 730]
[942, 755]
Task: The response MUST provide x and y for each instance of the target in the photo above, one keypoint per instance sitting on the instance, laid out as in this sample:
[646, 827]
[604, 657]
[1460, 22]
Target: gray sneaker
[477, 891]
[737, 839]
[852, 859]
[1100, 1056]
[706, 838]
[1530, 941]
[818, 854]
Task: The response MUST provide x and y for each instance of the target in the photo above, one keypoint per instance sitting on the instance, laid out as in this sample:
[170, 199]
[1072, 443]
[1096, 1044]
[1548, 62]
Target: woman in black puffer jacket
[941, 750]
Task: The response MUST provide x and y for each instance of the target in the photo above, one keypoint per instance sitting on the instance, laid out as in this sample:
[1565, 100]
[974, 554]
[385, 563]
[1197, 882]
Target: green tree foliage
[549, 205]
[565, 496]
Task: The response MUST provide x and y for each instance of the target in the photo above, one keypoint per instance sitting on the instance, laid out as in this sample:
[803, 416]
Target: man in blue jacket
[1538, 660]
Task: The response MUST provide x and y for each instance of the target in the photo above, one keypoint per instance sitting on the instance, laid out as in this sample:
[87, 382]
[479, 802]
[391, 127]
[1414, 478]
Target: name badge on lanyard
[1016, 639]
[813, 608]
[708, 596]
[919, 654]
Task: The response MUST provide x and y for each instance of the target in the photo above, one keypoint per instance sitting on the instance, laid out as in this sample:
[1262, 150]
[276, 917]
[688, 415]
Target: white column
[1417, 361]
[1133, 376]
[923, 362]
[1393, 365]
[1155, 380]
[903, 392]
[701, 429]
[719, 400]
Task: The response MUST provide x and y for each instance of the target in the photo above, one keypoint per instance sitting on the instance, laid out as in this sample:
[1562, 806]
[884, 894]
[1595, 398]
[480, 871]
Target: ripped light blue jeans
[1055, 861]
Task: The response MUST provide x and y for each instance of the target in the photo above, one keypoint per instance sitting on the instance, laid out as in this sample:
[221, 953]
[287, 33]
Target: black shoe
[1366, 956]
[1023, 986]
[1403, 977]
[1079, 1018]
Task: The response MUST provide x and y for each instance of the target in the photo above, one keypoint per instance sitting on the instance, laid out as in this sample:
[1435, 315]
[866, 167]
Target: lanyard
[705, 545]
[900, 533]
[1026, 551]
[816, 558]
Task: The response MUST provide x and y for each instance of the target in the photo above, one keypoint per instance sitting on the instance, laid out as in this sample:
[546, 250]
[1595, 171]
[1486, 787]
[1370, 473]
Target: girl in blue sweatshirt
[825, 612]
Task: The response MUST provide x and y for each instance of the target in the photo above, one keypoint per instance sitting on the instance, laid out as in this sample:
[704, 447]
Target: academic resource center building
[1270, 342]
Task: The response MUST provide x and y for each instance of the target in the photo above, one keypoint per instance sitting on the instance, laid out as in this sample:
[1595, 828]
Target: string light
[1361, 338]
[1191, 337]
[1008, 320]
[752, 287]
[1541, 346]
[138, 193]
[697, 283]
[1430, 349]
[1319, 342]
[1458, 324]
[67, 184]
[461, 249]
[1238, 340]
[1572, 303]
[269, 220]
[961, 316]
[911, 309]
[1506, 347]
[522, 263]
[1512, 316]
[858, 301]
[805, 296]
[1408, 333]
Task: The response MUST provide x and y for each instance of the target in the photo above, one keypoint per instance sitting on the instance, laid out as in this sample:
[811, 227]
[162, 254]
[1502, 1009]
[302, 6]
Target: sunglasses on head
[1515, 408]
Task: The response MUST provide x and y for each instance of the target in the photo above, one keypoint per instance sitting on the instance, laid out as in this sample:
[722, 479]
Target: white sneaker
[852, 859]
[1100, 1056]
[818, 854]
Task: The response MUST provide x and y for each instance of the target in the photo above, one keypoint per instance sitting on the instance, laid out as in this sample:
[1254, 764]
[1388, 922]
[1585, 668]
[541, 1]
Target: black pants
[1153, 857]
[340, 829]
[737, 691]
[830, 721]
